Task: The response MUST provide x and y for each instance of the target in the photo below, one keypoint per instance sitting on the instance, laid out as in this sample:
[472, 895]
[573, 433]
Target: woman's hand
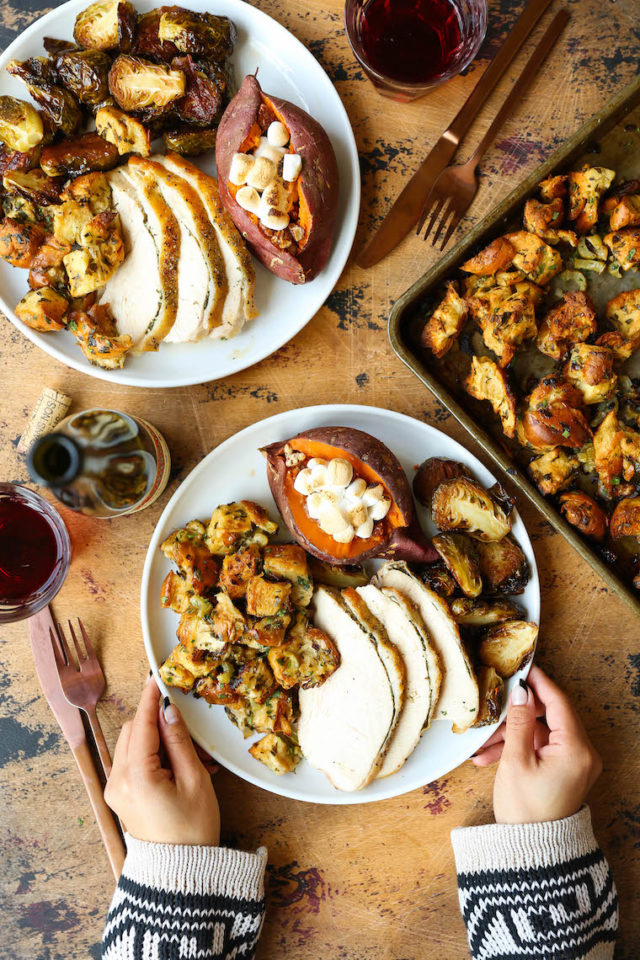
[170, 802]
[547, 762]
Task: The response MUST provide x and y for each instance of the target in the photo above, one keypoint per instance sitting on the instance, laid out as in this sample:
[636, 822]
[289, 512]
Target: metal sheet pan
[602, 135]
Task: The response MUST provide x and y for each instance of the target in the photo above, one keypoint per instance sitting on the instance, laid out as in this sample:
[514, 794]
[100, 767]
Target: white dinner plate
[287, 70]
[236, 471]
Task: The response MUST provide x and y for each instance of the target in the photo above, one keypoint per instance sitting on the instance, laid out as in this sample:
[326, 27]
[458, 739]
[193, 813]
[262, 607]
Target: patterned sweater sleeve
[536, 890]
[175, 902]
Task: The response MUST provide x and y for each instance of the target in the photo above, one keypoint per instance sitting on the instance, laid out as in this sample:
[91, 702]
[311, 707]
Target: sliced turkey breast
[143, 292]
[239, 304]
[414, 717]
[346, 723]
[459, 698]
[202, 282]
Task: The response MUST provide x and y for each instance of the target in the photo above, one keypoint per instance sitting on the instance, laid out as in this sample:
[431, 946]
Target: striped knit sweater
[538, 891]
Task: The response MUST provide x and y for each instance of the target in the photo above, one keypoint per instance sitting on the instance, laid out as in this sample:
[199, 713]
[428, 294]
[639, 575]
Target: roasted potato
[19, 242]
[445, 324]
[582, 512]
[570, 321]
[590, 369]
[288, 561]
[624, 246]
[586, 187]
[462, 504]
[144, 87]
[497, 256]
[277, 753]
[237, 525]
[486, 381]
[553, 470]
[42, 310]
[105, 25]
[484, 612]
[81, 155]
[491, 690]
[508, 646]
[126, 133]
[625, 519]
[431, 474]
[20, 124]
[461, 559]
[503, 566]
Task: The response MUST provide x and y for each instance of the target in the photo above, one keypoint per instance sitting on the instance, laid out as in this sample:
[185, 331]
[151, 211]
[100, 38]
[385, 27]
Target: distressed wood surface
[346, 882]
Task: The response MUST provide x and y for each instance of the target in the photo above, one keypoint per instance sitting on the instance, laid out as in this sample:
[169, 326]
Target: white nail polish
[518, 696]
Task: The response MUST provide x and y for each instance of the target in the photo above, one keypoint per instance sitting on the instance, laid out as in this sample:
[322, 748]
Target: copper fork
[453, 192]
[83, 683]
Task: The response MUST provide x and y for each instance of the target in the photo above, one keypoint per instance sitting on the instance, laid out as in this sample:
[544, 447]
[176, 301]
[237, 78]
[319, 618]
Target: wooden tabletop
[356, 883]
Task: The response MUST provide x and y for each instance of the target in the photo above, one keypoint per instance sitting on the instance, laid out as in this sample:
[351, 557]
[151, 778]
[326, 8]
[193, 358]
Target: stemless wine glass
[456, 29]
[34, 552]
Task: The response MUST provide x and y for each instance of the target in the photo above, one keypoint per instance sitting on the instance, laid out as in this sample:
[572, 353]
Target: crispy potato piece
[462, 504]
[534, 257]
[42, 310]
[238, 568]
[445, 324]
[461, 559]
[486, 381]
[430, 475]
[555, 186]
[623, 313]
[620, 346]
[590, 369]
[275, 715]
[626, 213]
[553, 470]
[497, 256]
[570, 321]
[277, 753]
[186, 548]
[288, 561]
[126, 133]
[236, 525]
[543, 219]
[625, 519]
[19, 242]
[582, 512]
[308, 657]
[483, 612]
[586, 187]
[508, 646]
[266, 598]
[491, 690]
[503, 566]
[624, 246]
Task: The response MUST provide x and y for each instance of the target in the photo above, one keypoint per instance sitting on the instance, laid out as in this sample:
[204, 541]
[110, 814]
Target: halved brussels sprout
[189, 141]
[33, 185]
[138, 84]
[430, 475]
[437, 578]
[20, 124]
[105, 24]
[483, 612]
[508, 646]
[460, 558]
[203, 99]
[462, 504]
[503, 566]
[333, 576]
[85, 73]
[491, 690]
[55, 47]
[202, 34]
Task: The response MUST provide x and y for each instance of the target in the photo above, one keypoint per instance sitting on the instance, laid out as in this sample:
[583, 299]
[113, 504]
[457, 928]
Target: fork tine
[452, 226]
[79, 651]
[57, 649]
[62, 640]
[434, 216]
[88, 645]
[430, 201]
[443, 220]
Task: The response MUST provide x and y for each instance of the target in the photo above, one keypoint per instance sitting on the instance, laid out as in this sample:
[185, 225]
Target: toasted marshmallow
[241, 164]
[339, 472]
[302, 483]
[277, 134]
[344, 536]
[380, 509]
[365, 529]
[249, 199]
[316, 462]
[358, 515]
[314, 505]
[355, 490]
[291, 166]
[373, 494]
[275, 195]
[266, 149]
[274, 219]
[318, 477]
[262, 173]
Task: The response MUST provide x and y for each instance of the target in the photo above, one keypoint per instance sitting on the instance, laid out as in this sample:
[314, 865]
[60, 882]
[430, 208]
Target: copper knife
[405, 212]
[70, 722]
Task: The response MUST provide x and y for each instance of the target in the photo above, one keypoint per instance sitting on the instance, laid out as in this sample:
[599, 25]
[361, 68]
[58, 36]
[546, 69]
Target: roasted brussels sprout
[33, 185]
[57, 103]
[126, 133]
[335, 576]
[189, 141]
[203, 99]
[462, 504]
[20, 124]
[19, 241]
[491, 690]
[503, 566]
[461, 559]
[147, 43]
[625, 519]
[15, 160]
[430, 475]
[106, 25]
[483, 612]
[55, 47]
[86, 74]
[201, 34]
[508, 646]
[42, 310]
[82, 155]
[583, 512]
[140, 85]
[437, 578]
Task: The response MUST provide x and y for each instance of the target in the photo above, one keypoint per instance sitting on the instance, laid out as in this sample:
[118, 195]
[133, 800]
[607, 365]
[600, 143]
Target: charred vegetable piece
[55, 47]
[19, 241]
[461, 559]
[57, 103]
[625, 519]
[337, 576]
[553, 470]
[277, 753]
[503, 566]
[486, 381]
[189, 141]
[462, 504]
[139, 85]
[126, 133]
[105, 25]
[508, 646]
[33, 185]
[446, 323]
[234, 526]
[147, 43]
[201, 34]
[491, 690]
[42, 310]
[570, 321]
[482, 612]
[590, 369]
[430, 475]
[583, 512]
[20, 124]
[203, 98]
[85, 73]
[437, 578]
[497, 256]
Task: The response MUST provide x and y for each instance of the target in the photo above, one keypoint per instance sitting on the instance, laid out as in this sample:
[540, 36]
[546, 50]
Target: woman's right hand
[547, 762]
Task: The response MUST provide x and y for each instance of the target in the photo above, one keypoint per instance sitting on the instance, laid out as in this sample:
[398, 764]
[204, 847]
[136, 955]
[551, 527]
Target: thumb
[519, 744]
[177, 742]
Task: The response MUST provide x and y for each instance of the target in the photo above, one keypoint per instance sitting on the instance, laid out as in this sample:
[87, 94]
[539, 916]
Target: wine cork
[51, 407]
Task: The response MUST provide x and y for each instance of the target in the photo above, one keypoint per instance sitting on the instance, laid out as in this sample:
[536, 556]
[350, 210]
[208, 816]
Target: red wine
[29, 553]
[412, 41]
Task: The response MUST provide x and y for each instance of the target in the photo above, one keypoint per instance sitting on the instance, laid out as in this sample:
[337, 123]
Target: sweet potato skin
[318, 181]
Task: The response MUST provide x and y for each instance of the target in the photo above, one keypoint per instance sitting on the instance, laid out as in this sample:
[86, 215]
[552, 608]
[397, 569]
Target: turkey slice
[346, 724]
[459, 698]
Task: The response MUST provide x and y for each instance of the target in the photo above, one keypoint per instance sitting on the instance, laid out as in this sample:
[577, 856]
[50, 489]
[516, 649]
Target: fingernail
[520, 695]
[170, 711]
[148, 680]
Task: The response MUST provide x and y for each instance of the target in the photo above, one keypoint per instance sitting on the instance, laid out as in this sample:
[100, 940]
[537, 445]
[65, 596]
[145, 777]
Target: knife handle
[104, 818]
[497, 68]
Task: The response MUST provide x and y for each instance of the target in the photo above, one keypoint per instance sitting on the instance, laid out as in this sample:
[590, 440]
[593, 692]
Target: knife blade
[405, 212]
[70, 722]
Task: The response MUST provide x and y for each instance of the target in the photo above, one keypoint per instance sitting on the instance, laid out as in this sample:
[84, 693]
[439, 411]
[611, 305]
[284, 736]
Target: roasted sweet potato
[313, 196]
